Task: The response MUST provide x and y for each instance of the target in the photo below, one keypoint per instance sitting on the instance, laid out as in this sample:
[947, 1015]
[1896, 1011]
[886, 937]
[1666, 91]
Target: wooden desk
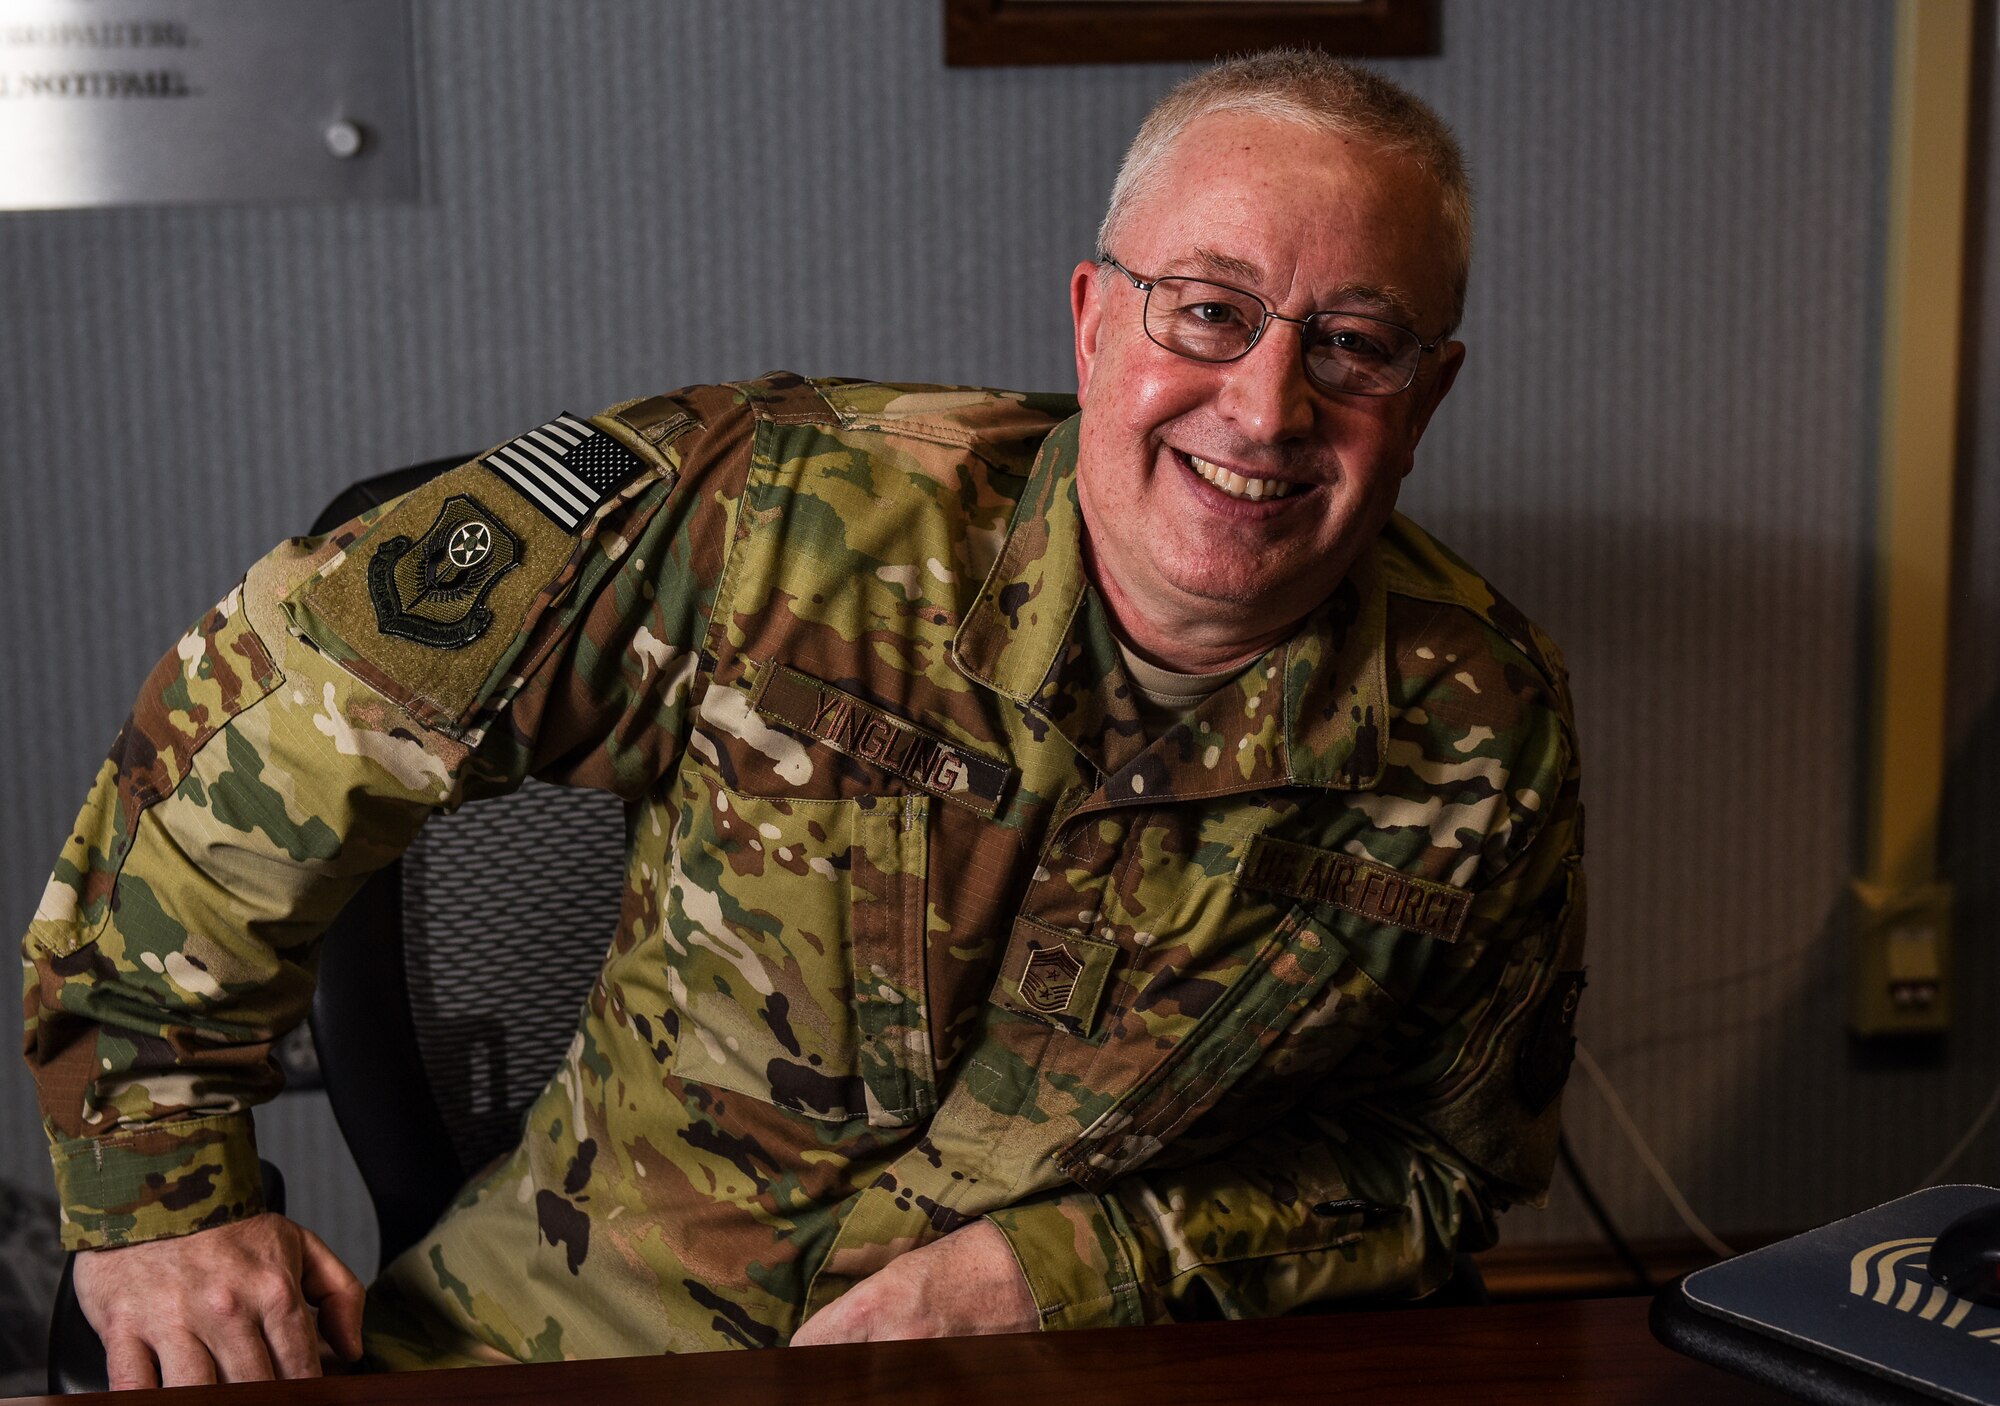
[1548, 1354]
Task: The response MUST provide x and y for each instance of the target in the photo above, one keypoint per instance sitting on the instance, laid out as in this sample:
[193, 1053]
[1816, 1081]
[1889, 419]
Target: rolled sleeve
[1075, 1260]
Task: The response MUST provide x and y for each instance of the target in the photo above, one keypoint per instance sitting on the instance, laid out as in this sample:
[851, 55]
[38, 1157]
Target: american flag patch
[566, 468]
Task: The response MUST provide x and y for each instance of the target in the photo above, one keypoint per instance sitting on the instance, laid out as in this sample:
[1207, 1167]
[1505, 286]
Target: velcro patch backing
[380, 617]
[1359, 886]
[1056, 977]
[857, 729]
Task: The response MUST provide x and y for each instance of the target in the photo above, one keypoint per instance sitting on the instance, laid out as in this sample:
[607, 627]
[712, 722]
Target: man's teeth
[1237, 486]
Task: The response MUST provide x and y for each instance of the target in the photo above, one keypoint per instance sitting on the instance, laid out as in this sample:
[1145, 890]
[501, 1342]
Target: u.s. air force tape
[566, 468]
[847, 724]
[1359, 886]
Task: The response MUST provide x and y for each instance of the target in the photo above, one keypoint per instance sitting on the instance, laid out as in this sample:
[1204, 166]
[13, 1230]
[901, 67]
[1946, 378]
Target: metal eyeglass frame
[1147, 285]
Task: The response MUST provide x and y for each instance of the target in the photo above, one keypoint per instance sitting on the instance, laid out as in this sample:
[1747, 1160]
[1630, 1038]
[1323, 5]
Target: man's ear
[1086, 311]
[1451, 357]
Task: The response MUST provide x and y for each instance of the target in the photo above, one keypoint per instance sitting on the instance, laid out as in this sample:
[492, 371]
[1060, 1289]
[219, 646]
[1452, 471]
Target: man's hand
[234, 1303]
[967, 1283]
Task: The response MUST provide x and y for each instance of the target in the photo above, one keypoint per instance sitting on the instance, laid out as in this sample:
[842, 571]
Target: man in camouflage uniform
[1084, 869]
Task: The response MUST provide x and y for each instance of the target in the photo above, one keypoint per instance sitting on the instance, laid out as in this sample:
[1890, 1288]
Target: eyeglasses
[1347, 353]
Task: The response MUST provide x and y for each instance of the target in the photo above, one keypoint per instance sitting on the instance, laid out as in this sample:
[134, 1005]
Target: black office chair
[449, 989]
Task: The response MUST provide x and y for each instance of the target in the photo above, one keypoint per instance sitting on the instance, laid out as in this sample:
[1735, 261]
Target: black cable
[1619, 1245]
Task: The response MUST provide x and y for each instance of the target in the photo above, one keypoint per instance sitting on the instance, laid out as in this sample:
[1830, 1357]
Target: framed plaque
[990, 33]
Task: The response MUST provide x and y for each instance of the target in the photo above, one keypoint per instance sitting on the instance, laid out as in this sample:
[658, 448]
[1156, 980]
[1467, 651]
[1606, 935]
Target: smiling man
[1239, 454]
[1085, 868]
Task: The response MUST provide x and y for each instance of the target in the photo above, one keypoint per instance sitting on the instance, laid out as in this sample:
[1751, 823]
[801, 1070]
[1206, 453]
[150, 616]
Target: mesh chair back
[507, 909]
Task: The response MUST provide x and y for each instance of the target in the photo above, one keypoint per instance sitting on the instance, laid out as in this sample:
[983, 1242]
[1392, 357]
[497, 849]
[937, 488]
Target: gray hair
[1306, 87]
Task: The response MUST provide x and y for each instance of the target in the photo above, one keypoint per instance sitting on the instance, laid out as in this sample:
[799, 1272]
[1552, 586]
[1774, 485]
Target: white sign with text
[144, 102]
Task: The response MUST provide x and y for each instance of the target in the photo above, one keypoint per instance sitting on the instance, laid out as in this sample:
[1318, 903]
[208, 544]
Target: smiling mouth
[1249, 490]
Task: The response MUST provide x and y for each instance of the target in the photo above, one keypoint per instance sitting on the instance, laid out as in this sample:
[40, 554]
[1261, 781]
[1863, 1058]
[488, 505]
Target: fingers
[332, 1287]
[967, 1282]
[128, 1364]
[846, 1320]
[294, 1349]
[817, 1331]
[228, 1302]
[184, 1361]
[229, 1350]
[239, 1355]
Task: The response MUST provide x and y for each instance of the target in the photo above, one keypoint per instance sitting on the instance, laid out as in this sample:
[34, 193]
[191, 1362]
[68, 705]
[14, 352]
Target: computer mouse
[1966, 1258]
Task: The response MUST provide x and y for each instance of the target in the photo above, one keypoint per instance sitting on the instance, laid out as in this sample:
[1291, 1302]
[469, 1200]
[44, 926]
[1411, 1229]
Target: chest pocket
[1300, 974]
[794, 937]
[1221, 997]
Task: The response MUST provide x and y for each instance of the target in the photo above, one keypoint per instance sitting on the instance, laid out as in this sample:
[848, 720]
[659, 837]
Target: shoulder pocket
[443, 598]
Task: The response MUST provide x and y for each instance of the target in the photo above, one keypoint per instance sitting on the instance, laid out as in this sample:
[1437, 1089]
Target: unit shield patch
[433, 589]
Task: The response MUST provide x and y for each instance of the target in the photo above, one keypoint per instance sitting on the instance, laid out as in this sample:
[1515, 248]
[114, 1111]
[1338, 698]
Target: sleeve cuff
[155, 1180]
[1077, 1266]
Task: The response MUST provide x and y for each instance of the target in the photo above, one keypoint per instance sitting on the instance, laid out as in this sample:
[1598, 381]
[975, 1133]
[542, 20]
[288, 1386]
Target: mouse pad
[1858, 1292]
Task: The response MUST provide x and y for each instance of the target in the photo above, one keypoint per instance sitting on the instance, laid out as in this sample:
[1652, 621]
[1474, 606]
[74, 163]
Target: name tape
[848, 725]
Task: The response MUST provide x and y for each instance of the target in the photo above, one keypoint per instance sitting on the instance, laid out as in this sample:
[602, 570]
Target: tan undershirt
[1166, 697]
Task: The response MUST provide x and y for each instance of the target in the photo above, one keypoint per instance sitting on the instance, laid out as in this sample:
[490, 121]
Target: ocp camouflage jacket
[918, 925]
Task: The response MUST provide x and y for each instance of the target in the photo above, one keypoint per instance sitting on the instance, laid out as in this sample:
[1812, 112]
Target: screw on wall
[345, 138]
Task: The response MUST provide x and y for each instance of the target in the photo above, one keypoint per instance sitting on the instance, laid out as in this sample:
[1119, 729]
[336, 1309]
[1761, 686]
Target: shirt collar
[1312, 712]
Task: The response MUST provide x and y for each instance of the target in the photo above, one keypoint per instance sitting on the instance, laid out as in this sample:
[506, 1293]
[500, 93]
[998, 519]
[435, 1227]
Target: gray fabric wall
[1661, 446]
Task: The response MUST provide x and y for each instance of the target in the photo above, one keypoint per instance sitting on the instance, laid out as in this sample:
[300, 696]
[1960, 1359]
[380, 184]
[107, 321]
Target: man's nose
[1265, 392]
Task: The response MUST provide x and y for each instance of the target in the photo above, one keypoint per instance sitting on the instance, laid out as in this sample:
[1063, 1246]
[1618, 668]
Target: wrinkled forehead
[1283, 208]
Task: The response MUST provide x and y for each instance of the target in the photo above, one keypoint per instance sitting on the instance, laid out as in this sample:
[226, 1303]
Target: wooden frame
[993, 33]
